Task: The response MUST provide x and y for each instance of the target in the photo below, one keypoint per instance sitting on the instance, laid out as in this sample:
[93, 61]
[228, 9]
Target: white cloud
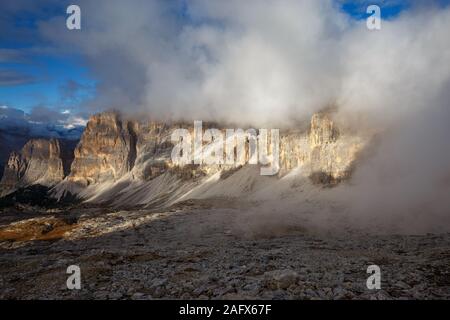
[256, 61]
[41, 122]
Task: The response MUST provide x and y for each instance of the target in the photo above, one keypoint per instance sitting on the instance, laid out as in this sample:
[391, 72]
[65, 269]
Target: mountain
[41, 161]
[17, 127]
[124, 162]
[41, 123]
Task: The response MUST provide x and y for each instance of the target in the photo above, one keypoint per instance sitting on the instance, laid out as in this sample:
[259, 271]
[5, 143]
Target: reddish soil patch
[39, 229]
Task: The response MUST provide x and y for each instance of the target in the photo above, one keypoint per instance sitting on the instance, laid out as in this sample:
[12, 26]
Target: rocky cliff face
[113, 147]
[323, 153]
[10, 141]
[120, 152]
[333, 152]
[40, 161]
[153, 149]
[106, 151]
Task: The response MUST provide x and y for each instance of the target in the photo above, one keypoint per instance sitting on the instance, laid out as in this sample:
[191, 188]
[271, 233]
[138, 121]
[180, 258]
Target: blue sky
[43, 81]
[32, 75]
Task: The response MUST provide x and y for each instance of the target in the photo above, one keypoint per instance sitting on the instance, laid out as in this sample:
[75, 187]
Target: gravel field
[197, 253]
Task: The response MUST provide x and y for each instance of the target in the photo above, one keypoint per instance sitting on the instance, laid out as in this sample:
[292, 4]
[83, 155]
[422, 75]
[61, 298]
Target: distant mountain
[18, 127]
[41, 161]
[17, 122]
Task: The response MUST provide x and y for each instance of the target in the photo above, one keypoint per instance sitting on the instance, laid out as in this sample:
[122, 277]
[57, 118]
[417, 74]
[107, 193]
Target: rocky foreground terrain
[192, 251]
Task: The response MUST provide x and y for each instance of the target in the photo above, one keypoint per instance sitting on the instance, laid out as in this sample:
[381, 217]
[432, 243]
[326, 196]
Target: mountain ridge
[121, 161]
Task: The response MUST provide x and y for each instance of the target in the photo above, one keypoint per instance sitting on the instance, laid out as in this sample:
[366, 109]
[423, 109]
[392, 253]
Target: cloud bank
[258, 61]
[40, 122]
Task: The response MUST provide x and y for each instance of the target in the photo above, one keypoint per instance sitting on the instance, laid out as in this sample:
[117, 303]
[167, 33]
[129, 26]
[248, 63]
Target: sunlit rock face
[112, 147]
[106, 151]
[40, 161]
[323, 152]
[117, 154]
[153, 149]
[333, 152]
[323, 130]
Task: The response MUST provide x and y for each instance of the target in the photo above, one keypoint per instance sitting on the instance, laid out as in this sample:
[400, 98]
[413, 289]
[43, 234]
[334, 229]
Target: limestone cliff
[112, 147]
[323, 152]
[120, 151]
[40, 161]
[333, 152]
[124, 160]
[106, 151]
